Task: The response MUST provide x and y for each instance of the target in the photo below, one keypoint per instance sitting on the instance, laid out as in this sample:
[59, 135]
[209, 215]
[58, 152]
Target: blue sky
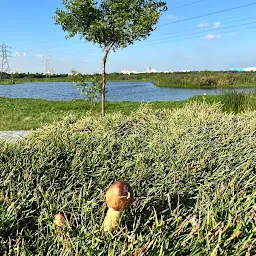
[212, 42]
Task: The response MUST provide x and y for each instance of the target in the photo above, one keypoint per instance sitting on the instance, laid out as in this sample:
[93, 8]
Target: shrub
[192, 170]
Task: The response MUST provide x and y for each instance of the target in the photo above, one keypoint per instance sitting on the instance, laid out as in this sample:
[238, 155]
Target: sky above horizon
[190, 35]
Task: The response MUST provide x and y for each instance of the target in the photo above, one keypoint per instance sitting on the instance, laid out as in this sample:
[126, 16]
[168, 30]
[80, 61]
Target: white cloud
[20, 54]
[212, 36]
[40, 56]
[173, 17]
[216, 25]
[233, 34]
[203, 25]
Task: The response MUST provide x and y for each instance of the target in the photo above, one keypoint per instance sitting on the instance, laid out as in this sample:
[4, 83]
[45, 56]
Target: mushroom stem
[111, 220]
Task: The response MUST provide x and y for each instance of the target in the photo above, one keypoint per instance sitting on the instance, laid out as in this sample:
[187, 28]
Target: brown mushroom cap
[59, 219]
[119, 196]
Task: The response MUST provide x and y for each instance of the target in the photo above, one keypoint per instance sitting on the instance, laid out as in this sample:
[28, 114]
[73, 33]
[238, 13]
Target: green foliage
[239, 102]
[205, 79]
[89, 85]
[231, 101]
[109, 23]
[4, 75]
[193, 171]
[37, 75]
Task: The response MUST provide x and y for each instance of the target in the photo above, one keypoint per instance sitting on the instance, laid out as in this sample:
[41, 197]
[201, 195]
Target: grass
[206, 80]
[232, 101]
[193, 171]
[26, 114]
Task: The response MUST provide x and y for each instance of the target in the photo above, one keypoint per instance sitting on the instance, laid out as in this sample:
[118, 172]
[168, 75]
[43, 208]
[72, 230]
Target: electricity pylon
[5, 69]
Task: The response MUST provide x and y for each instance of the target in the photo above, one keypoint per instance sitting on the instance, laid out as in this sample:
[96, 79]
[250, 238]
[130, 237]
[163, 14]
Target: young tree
[112, 24]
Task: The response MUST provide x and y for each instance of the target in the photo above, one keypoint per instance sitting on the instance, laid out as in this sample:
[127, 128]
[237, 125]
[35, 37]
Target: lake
[116, 91]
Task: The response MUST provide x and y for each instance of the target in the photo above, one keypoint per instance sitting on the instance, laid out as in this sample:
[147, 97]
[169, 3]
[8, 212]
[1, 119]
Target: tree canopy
[109, 23]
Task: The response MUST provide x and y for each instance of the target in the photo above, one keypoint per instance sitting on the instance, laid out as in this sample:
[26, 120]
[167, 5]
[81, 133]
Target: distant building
[151, 70]
[148, 70]
[125, 72]
[250, 69]
[167, 71]
[253, 69]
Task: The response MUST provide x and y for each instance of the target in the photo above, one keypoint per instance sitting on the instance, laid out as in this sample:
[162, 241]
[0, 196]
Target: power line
[206, 31]
[199, 28]
[184, 5]
[225, 10]
[5, 68]
[176, 37]
[168, 41]
[208, 14]
[180, 39]
[221, 11]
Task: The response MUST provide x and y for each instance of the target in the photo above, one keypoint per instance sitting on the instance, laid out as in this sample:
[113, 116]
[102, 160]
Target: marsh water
[116, 91]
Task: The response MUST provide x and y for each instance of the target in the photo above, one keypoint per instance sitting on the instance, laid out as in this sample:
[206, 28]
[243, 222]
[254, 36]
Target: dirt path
[13, 135]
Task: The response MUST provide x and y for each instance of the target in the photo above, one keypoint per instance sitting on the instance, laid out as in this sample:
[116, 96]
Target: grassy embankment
[203, 79]
[32, 80]
[25, 114]
[193, 171]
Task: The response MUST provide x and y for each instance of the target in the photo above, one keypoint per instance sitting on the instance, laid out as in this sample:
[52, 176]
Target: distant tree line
[35, 75]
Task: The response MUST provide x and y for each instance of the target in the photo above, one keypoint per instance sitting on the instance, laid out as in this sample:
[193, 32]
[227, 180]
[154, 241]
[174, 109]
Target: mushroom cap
[59, 219]
[119, 196]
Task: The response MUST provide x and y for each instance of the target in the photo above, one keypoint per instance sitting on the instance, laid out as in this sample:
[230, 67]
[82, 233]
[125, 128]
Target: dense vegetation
[25, 114]
[33, 77]
[37, 75]
[203, 79]
[193, 171]
[206, 79]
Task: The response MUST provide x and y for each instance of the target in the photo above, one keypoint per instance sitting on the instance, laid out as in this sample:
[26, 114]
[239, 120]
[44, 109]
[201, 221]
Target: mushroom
[59, 220]
[119, 197]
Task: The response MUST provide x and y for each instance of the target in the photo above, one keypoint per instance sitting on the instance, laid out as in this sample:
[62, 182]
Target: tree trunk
[103, 90]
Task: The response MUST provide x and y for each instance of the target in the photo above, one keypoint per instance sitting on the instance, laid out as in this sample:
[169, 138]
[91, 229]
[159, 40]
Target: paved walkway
[13, 135]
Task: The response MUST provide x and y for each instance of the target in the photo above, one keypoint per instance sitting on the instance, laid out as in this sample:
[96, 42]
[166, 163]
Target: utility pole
[5, 68]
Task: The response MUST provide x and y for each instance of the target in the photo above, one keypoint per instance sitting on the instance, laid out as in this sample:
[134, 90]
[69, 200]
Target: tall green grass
[231, 101]
[206, 79]
[193, 171]
[239, 102]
